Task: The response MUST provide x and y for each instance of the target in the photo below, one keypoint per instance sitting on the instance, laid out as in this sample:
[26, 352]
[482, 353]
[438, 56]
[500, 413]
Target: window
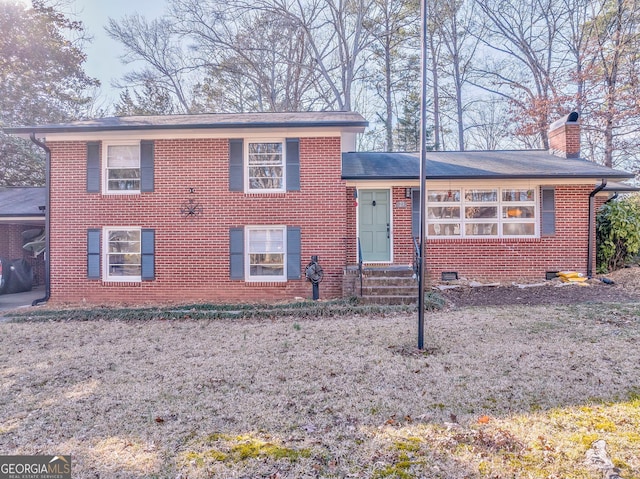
[265, 253]
[266, 166]
[481, 212]
[548, 215]
[122, 164]
[518, 212]
[122, 254]
[443, 213]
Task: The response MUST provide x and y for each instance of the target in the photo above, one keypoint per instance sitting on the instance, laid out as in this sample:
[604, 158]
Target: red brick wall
[503, 259]
[192, 255]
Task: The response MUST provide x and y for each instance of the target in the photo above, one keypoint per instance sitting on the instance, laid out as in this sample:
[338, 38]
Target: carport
[22, 221]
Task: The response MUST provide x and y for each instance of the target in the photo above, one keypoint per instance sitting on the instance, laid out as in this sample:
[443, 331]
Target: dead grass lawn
[517, 392]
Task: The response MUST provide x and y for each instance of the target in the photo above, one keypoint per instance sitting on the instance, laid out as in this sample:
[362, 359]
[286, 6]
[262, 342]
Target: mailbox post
[314, 273]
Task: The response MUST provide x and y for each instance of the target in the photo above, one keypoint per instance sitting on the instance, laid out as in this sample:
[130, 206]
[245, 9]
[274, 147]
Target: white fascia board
[507, 182]
[178, 134]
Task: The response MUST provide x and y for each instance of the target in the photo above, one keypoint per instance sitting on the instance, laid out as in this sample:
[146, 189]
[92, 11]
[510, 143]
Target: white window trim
[105, 168]
[246, 143]
[462, 204]
[247, 255]
[105, 256]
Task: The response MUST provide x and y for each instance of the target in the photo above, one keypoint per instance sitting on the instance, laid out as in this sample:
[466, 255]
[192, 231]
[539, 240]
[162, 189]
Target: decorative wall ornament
[190, 208]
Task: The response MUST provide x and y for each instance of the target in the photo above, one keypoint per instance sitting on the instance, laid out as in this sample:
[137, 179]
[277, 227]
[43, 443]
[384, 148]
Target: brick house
[231, 207]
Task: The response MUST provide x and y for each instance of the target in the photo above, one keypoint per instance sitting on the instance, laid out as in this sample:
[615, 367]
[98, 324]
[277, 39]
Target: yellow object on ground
[571, 277]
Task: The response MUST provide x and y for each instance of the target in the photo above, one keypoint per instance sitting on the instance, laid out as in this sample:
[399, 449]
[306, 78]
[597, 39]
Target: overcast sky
[103, 53]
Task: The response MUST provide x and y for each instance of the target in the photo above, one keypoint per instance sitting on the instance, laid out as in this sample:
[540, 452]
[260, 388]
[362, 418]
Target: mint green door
[374, 225]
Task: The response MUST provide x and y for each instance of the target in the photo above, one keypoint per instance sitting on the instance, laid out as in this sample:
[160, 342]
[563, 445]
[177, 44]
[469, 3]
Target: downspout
[47, 216]
[615, 195]
[592, 220]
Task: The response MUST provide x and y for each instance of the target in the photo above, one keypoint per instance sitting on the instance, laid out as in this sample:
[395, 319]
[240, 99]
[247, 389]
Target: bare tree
[262, 56]
[391, 67]
[161, 50]
[612, 78]
[336, 37]
[454, 23]
[487, 125]
[526, 64]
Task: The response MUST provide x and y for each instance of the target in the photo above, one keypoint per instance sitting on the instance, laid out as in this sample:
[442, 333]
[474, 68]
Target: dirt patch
[625, 288]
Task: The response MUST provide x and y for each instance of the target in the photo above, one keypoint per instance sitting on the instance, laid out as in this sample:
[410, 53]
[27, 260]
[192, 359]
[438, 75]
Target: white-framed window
[122, 254]
[266, 166]
[518, 212]
[482, 212]
[265, 251]
[122, 167]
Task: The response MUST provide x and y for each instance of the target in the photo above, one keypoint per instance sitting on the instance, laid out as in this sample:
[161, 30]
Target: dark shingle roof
[514, 164]
[319, 119]
[21, 202]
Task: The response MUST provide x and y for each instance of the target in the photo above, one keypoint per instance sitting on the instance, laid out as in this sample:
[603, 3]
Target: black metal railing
[360, 264]
[416, 259]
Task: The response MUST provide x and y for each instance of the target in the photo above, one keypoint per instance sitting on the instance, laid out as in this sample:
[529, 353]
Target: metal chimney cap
[570, 118]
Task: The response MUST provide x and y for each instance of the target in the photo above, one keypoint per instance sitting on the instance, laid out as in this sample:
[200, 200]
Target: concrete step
[381, 282]
[389, 299]
[390, 290]
[388, 271]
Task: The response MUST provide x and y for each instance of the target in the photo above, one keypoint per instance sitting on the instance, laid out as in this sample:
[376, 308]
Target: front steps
[387, 285]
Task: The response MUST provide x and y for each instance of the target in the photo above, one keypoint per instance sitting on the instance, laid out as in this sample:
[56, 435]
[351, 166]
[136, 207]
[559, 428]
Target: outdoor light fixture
[407, 192]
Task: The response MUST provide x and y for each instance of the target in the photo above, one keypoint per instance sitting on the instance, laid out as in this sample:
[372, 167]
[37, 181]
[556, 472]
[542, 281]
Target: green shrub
[618, 233]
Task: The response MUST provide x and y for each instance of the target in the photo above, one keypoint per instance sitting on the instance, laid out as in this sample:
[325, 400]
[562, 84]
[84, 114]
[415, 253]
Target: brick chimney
[564, 136]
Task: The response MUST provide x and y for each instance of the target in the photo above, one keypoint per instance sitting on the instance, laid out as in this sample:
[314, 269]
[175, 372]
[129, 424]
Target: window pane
[124, 235]
[266, 241]
[443, 212]
[517, 195]
[472, 212]
[124, 173]
[518, 212]
[518, 229]
[444, 229]
[264, 148]
[127, 156]
[481, 195]
[123, 269]
[124, 185]
[267, 177]
[437, 196]
[481, 229]
[266, 264]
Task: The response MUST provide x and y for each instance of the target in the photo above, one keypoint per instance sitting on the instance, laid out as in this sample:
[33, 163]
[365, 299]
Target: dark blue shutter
[548, 216]
[93, 167]
[294, 247]
[93, 254]
[415, 212]
[146, 165]
[236, 253]
[148, 250]
[293, 164]
[236, 165]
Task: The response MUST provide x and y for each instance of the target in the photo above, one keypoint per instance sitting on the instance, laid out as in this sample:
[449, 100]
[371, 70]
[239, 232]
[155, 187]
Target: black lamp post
[423, 182]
